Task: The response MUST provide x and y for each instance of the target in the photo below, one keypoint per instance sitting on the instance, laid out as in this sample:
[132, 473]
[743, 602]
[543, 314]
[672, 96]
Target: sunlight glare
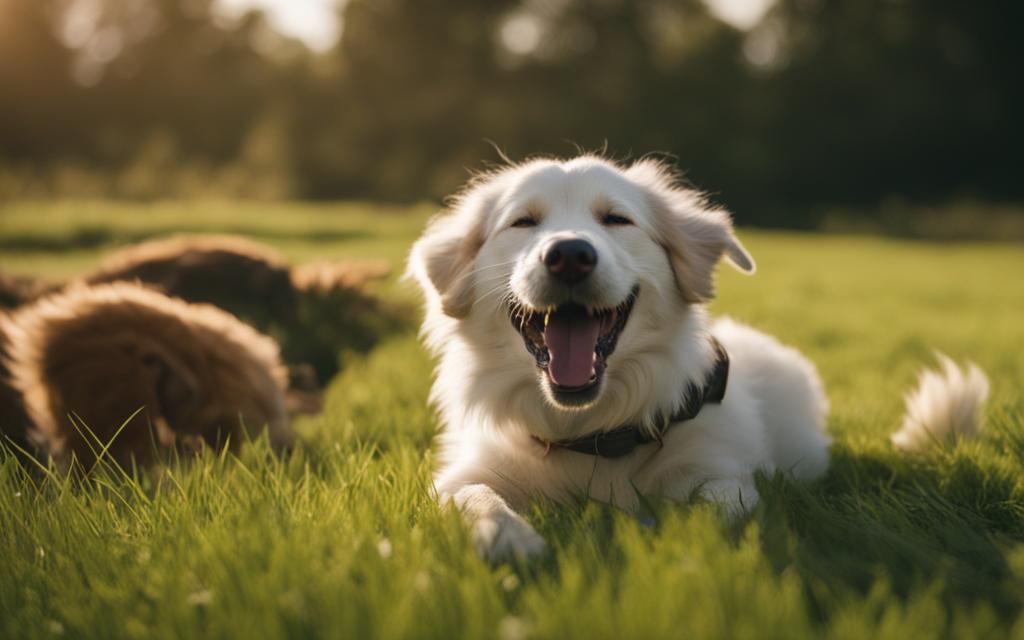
[315, 22]
[742, 14]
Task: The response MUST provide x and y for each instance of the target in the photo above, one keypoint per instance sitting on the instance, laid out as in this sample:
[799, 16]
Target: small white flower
[384, 548]
[513, 628]
[200, 598]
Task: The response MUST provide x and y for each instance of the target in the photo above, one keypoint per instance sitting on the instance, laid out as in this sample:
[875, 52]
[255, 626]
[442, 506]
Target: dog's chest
[616, 481]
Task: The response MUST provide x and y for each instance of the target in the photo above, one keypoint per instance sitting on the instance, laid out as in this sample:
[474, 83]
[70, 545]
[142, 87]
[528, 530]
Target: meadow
[341, 538]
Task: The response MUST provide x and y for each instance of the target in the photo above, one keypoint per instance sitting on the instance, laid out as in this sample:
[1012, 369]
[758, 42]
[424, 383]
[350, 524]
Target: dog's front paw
[736, 497]
[506, 536]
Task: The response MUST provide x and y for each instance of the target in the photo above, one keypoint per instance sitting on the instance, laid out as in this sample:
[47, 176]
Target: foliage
[334, 324]
[823, 103]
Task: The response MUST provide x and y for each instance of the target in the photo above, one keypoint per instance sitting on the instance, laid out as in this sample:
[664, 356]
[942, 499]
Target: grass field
[341, 538]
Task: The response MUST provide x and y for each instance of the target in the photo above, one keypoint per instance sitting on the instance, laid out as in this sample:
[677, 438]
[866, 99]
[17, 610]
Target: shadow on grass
[942, 521]
[94, 237]
[945, 518]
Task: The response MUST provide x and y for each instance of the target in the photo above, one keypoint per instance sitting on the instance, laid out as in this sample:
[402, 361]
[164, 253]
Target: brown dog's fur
[14, 421]
[315, 310]
[100, 353]
[16, 290]
[231, 272]
[325, 276]
[246, 278]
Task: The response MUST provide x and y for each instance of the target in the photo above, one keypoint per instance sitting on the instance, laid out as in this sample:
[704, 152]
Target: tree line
[824, 103]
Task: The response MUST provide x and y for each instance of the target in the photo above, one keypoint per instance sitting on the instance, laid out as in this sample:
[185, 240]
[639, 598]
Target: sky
[315, 22]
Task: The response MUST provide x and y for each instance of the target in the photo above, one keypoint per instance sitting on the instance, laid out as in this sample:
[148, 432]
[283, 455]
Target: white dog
[565, 302]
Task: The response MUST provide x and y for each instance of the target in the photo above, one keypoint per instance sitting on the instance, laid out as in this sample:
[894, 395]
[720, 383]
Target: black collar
[618, 442]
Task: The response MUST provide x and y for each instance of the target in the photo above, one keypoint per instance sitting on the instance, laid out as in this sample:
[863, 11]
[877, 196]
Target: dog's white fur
[495, 403]
[944, 407]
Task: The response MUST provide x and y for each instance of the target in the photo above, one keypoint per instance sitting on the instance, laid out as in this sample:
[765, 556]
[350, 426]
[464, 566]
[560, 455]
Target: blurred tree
[36, 90]
[825, 102]
[909, 97]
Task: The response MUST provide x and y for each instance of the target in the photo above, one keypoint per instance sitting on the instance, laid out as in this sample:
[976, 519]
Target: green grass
[342, 539]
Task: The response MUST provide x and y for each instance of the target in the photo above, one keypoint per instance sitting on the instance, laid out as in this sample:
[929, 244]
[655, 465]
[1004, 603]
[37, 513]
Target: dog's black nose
[569, 260]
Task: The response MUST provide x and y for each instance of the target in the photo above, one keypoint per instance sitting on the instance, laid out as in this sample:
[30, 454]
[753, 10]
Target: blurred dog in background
[77, 359]
[314, 310]
[16, 290]
[91, 360]
[243, 277]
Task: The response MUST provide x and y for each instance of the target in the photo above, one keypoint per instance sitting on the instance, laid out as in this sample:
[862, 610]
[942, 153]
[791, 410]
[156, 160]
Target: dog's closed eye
[524, 222]
[615, 220]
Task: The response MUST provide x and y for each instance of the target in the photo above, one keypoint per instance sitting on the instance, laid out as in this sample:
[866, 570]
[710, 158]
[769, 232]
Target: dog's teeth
[547, 318]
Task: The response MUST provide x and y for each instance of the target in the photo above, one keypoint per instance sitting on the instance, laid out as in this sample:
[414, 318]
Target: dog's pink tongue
[571, 340]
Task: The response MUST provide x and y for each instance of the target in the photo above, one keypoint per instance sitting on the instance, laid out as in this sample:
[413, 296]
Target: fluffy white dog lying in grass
[565, 302]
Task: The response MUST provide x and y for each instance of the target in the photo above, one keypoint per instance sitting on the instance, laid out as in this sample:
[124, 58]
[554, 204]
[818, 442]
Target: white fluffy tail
[945, 406]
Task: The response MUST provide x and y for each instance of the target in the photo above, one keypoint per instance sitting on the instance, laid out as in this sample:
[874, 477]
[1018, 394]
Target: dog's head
[559, 271]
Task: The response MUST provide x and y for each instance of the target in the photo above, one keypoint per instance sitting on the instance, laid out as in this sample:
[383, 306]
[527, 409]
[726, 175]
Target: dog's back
[243, 277]
[17, 290]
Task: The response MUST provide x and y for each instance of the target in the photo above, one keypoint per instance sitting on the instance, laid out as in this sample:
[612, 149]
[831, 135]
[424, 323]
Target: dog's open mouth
[571, 342]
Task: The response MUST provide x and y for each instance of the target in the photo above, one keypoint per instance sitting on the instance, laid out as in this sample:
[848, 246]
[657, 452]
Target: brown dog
[248, 279]
[316, 310]
[231, 272]
[87, 359]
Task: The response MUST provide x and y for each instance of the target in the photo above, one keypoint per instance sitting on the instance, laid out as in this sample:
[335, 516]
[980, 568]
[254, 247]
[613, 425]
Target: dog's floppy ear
[175, 388]
[696, 239]
[442, 259]
[694, 235]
